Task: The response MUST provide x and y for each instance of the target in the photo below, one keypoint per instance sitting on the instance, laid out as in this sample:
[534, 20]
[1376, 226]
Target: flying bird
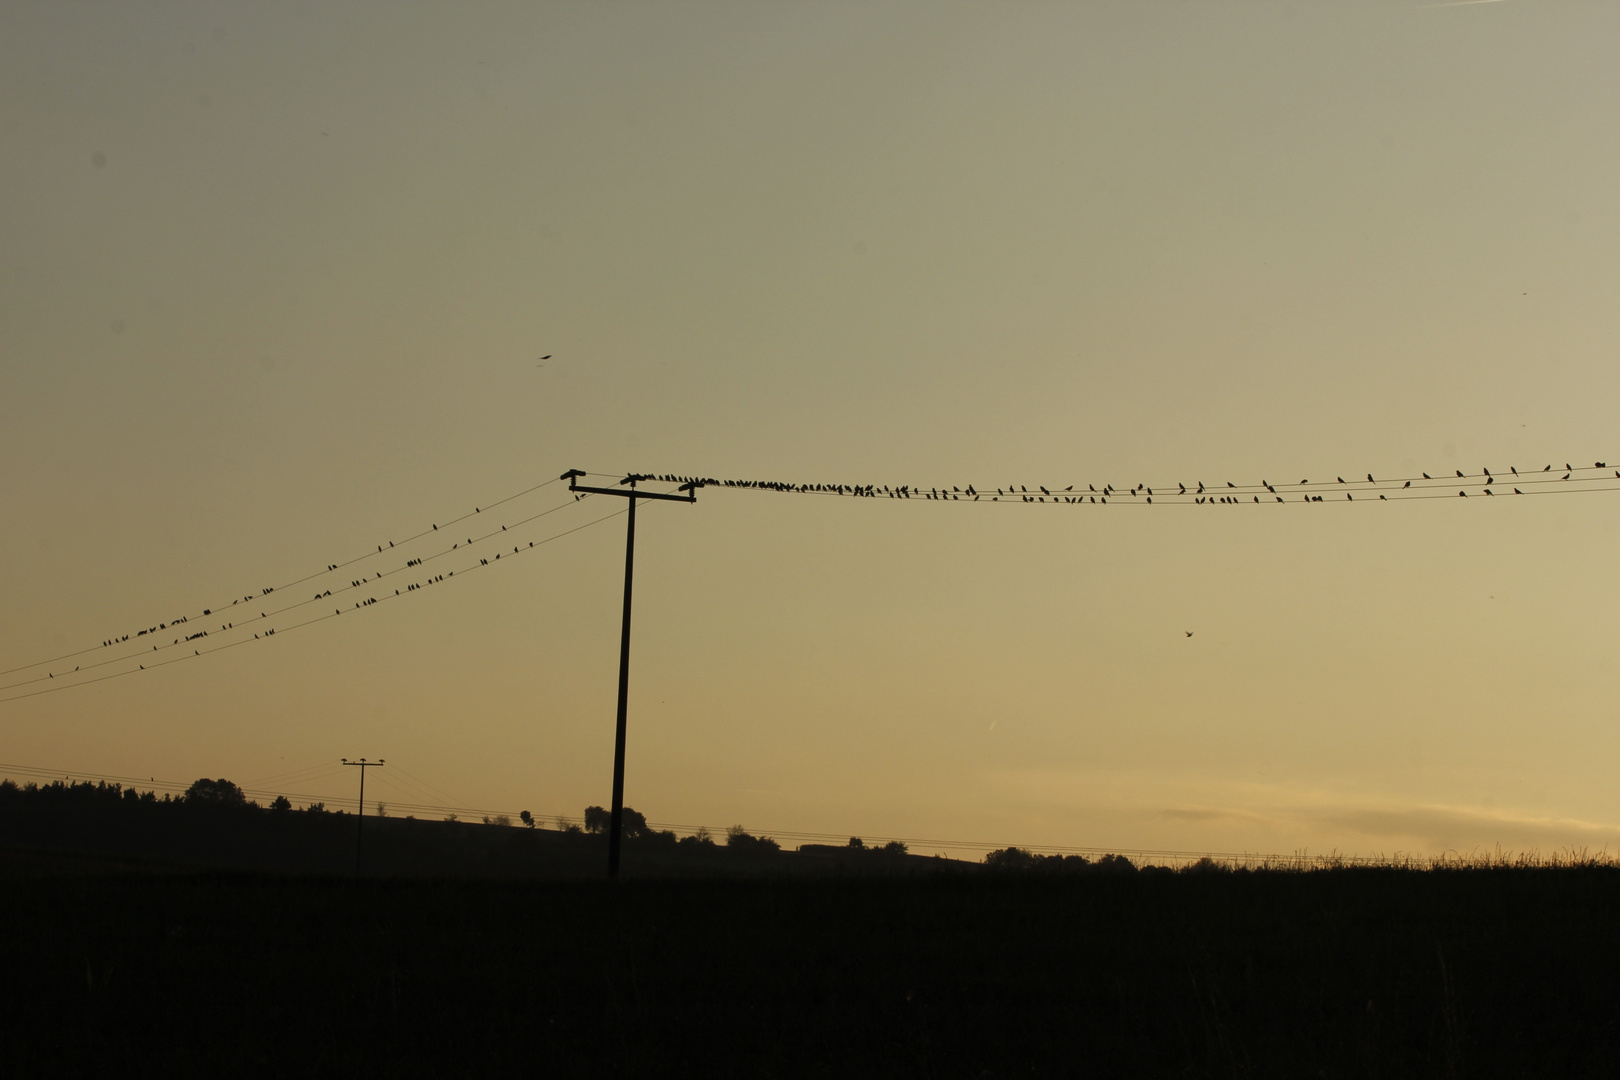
[1189, 633]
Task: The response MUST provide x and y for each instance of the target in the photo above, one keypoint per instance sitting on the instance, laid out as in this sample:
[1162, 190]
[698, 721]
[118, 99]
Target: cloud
[1128, 809]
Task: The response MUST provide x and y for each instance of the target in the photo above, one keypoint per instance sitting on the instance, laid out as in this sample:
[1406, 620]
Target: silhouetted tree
[634, 824]
[220, 793]
[597, 819]
[857, 843]
[1010, 859]
[741, 842]
[527, 819]
[699, 839]
[279, 805]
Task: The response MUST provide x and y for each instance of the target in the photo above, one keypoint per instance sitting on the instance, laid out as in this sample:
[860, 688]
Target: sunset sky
[276, 279]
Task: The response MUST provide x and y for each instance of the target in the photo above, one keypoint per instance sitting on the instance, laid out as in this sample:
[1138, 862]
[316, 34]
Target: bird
[1370, 480]
[1459, 472]
[1426, 476]
[1407, 484]
[1189, 633]
[1341, 479]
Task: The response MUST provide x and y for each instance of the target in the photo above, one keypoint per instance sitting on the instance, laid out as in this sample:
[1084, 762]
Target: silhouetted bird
[1370, 480]
[1426, 476]
[1516, 491]
[1341, 479]
[1459, 472]
[1407, 484]
[1189, 633]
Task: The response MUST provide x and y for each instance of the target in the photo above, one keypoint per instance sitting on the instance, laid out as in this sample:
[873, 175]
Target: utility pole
[626, 489]
[360, 821]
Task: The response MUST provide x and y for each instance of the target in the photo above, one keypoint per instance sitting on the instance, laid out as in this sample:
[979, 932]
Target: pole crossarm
[627, 488]
[632, 493]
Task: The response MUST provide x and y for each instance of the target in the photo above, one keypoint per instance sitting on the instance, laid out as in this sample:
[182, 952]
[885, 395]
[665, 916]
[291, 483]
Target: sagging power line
[79, 678]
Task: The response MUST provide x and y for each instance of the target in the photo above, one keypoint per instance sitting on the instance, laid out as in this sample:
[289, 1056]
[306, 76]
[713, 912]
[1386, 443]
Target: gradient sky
[275, 279]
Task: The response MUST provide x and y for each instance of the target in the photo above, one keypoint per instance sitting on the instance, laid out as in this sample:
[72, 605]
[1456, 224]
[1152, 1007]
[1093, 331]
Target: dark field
[1329, 973]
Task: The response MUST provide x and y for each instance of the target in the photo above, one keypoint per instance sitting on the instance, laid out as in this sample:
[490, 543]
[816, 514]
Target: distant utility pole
[360, 822]
[630, 482]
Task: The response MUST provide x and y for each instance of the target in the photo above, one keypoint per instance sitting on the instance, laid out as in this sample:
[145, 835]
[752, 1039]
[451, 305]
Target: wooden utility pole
[626, 489]
[360, 821]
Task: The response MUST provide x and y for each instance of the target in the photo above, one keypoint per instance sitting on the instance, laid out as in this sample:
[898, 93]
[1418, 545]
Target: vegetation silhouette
[214, 824]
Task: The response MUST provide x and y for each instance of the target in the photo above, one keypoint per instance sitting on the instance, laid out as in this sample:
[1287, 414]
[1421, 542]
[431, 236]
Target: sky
[276, 282]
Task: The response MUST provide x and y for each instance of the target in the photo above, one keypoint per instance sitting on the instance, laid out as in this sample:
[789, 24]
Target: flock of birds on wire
[249, 617]
[1423, 485]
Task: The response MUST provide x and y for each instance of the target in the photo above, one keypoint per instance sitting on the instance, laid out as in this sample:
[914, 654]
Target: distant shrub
[743, 843]
[1207, 865]
[1010, 859]
[280, 804]
[1017, 860]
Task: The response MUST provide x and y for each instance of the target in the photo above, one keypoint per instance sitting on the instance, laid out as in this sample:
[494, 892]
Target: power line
[264, 615]
[68, 683]
[330, 568]
[839, 838]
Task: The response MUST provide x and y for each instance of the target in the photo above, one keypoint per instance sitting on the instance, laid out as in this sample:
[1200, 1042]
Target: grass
[1474, 970]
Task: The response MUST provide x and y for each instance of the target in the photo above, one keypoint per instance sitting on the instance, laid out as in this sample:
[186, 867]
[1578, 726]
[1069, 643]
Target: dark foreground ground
[1334, 973]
